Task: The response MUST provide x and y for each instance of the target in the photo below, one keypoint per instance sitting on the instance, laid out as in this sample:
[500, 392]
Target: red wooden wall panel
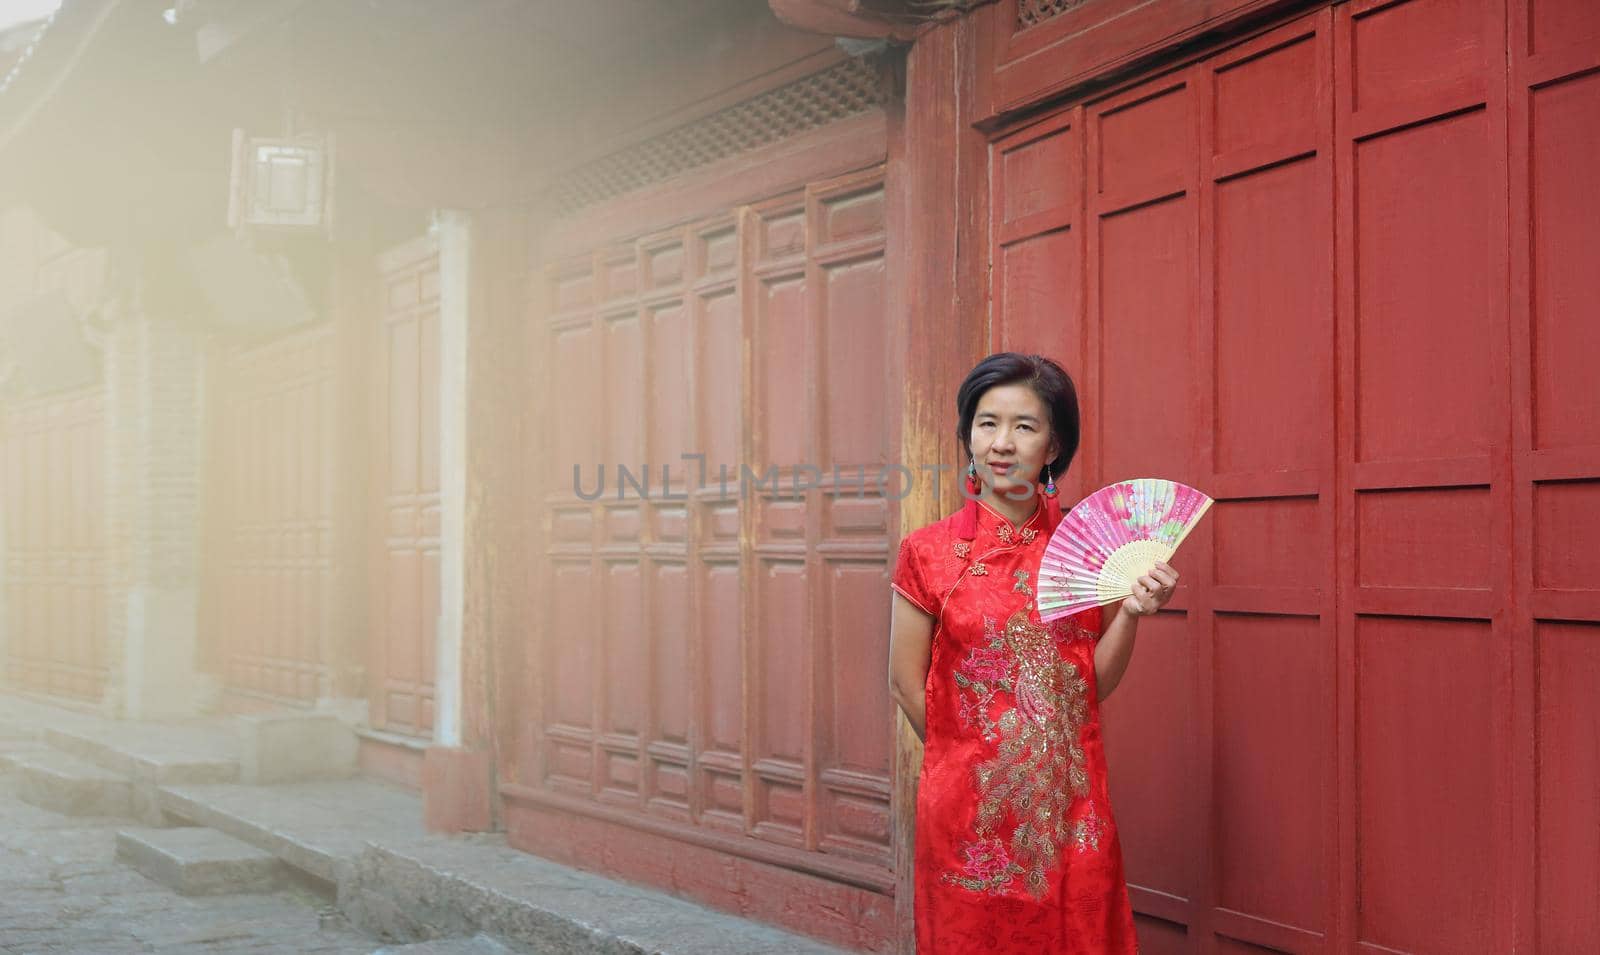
[1554, 130]
[1140, 215]
[55, 544]
[712, 645]
[1427, 765]
[1265, 397]
[1423, 191]
[1425, 247]
[273, 508]
[1567, 845]
[1272, 705]
[1357, 251]
[1037, 287]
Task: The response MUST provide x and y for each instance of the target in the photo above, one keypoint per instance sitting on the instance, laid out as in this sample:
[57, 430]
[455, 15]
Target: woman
[1016, 849]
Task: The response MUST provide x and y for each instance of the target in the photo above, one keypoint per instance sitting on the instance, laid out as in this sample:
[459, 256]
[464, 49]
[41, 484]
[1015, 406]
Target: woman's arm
[1115, 649]
[910, 647]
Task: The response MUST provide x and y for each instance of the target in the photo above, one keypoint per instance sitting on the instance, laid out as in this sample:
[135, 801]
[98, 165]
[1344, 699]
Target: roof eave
[56, 52]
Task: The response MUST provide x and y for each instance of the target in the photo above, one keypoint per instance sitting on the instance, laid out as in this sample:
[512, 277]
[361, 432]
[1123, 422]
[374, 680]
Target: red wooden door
[272, 506]
[710, 712]
[1287, 272]
[406, 540]
[54, 544]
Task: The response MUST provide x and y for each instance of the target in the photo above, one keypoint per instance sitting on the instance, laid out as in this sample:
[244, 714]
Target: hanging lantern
[281, 183]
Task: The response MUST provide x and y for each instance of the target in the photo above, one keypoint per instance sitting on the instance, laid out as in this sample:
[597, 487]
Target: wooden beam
[939, 308]
[845, 18]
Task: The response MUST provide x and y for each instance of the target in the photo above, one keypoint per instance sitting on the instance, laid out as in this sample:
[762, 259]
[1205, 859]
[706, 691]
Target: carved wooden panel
[405, 578]
[712, 638]
[53, 528]
[1031, 13]
[274, 510]
[853, 86]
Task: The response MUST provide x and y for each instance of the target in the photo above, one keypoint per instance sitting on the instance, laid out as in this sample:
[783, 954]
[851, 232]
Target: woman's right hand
[1152, 591]
[910, 650]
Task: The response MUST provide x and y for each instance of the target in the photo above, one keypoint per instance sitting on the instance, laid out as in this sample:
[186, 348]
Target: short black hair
[1047, 379]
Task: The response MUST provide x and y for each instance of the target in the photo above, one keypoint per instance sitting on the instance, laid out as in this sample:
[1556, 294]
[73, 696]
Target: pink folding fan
[1112, 538]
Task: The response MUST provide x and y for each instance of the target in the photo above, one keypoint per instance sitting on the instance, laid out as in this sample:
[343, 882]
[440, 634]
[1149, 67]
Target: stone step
[445, 886]
[319, 828]
[476, 945]
[295, 747]
[13, 730]
[18, 747]
[176, 755]
[199, 861]
[62, 783]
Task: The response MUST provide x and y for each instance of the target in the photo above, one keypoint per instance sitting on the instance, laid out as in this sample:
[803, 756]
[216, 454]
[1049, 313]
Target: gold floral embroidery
[1028, 534]
[1039, 766]
[1021, 586]
[963, 548]
[979, 570]
[1004, 533]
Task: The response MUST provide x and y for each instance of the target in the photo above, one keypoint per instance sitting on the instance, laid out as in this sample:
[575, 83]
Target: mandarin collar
[996, 525]
[1046, 515]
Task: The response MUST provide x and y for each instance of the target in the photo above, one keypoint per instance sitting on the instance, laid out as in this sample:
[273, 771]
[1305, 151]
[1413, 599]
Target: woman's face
[1011, 438]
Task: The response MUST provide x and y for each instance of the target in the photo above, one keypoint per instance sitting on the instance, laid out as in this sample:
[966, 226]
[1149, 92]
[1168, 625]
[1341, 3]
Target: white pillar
[7, 469]
[453, 232]
[155, 390]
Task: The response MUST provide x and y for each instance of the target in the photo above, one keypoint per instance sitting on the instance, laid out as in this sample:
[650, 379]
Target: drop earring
[1049, 482]
[972, 477]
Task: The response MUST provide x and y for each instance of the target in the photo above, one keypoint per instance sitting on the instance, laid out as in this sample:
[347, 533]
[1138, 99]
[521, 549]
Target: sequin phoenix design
[1038, 768]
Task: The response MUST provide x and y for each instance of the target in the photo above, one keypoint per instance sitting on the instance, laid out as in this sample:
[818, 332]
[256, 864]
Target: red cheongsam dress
[1016, 847]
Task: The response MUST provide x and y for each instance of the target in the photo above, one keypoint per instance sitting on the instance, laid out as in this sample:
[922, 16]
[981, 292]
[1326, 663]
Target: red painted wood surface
[53, 521]
[271, 505]
[383, 759]
[937, 317]
[1553, 624]
[1067, 44]
[1286, 271]
[405, 555]
[711, 666]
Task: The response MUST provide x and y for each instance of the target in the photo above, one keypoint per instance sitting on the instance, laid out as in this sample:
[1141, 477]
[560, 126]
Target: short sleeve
[909, 581]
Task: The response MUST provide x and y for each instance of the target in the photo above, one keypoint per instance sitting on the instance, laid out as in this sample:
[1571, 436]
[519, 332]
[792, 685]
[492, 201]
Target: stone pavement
[360, 874]
[62, 890]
